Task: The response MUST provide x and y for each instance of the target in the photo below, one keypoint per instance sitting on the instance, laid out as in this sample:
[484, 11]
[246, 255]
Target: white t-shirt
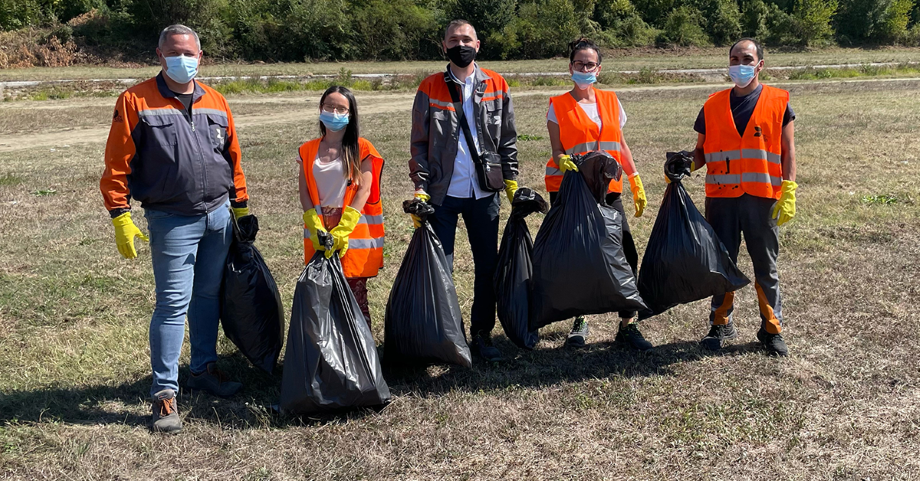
[330, 182]
[591, 110]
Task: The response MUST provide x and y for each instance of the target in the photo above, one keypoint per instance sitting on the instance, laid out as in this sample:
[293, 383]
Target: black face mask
[461, 55]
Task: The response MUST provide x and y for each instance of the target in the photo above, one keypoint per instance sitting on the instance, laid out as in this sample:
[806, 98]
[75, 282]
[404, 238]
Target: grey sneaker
[631, 336]
[482, 346]
[773, 342]
[579, 334]
[717, 334]
[214, 381]
[165, 417]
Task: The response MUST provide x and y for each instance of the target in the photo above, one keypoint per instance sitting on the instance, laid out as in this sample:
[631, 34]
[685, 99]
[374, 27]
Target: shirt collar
[470, 79]
[169, 94]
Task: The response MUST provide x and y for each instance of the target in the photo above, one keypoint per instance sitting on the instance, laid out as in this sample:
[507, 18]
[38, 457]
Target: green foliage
[893, 27]
[395, 29]
[621, 24]
[754, 19]
[684, 27]
[814, 21]
[489, 17]
[722, 19]
[542, 28]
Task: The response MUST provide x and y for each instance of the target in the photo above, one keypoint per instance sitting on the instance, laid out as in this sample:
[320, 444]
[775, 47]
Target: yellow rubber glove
[314, 224]
[240, 212]
[511, 187]
[340, 233]
[125, 232]
[638, 192]
[424, 197]
[785, 206]
[565, 163]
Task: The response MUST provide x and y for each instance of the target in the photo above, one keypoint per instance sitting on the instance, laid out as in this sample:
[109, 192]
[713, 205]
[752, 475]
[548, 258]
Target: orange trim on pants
[720, 317]
[772, 325]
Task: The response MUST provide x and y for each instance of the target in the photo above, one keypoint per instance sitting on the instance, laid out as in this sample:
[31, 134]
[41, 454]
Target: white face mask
[742, 75]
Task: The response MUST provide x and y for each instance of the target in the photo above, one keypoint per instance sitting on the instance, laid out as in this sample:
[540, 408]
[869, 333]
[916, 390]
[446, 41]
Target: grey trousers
[752, 217]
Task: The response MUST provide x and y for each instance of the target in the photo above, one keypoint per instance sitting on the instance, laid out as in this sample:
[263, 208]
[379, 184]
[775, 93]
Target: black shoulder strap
[461, 119]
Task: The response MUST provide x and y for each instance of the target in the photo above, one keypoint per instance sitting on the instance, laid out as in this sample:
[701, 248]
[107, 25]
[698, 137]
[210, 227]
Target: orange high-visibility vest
[579, 134]
[365, 245]
[748, 164]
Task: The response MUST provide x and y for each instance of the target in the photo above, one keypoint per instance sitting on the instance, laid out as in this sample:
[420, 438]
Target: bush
[782, 27]
[395, 29]
[754, 19]
[723, 20]
[893, 25]
[814, 21]
[621, 24]
[683, 27]
[542, 28]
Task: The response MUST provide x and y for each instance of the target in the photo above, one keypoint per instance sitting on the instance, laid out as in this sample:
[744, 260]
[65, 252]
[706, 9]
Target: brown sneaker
[214, 381]
[165, 418]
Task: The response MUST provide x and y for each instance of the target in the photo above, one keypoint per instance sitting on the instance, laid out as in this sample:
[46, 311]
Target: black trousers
[481, 220]
[615, 200]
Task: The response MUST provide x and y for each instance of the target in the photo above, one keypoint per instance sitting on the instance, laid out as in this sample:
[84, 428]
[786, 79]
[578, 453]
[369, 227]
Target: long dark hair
[350, 151]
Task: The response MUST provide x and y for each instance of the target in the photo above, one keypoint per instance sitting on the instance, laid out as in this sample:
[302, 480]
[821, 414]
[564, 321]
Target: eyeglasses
[338, 110]
[585, 67]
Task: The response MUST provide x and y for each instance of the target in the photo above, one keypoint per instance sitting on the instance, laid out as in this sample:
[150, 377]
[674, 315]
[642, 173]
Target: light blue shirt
[464, 182]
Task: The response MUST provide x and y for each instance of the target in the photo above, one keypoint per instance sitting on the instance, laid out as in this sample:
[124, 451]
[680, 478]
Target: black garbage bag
[684, 260]
[422, 321]
[515, 269]
[251, 310]
[331, 361]
[579, 266]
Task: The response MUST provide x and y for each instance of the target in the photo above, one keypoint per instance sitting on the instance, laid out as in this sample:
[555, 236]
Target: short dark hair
[583, 44]
[757, 46]
[458, 22]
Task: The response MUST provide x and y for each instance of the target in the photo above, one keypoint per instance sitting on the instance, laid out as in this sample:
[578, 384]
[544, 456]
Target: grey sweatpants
[752, 217]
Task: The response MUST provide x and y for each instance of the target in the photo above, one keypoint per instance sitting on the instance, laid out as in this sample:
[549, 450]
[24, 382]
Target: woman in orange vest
[340, 193]
[583, 120]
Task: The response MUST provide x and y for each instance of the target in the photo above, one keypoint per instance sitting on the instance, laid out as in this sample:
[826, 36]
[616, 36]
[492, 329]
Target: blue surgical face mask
[333, 121]
[583, 79]
[742, 75]
[182, 69]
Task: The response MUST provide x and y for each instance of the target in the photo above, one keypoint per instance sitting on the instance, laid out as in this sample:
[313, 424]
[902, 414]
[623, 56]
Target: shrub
[814, 21]
[683, 27]
[622, 25]
[542, 28]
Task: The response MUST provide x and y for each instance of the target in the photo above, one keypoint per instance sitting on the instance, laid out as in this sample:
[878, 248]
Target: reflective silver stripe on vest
[723, 156]
[371, 219]
[577, 149]
[159, 112]
[306, 233]
[761, 178]
[365, 243]
[551, 171]
[761, 154]
[614, 146]
[219, 113]
[440, 103]
[722, 179]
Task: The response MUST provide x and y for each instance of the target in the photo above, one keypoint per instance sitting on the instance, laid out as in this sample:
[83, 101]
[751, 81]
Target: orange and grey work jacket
[168, 160]
[749, 163]
[436, 132]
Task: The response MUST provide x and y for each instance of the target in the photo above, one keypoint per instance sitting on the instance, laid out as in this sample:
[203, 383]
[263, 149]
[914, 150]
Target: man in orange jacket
[746, 141]
[173, 147]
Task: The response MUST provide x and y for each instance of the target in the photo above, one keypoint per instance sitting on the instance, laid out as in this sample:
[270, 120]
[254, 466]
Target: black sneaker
[717, 334]
[482, 347]
[579, 333]
[774, 343]
[631, 336]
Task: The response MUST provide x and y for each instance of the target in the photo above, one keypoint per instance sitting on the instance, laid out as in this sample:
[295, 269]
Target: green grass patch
[527, 137]
[865, 70]
[885, 199]
[9, 179]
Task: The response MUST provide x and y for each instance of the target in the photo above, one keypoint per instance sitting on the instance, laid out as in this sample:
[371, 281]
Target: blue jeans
[188, 254]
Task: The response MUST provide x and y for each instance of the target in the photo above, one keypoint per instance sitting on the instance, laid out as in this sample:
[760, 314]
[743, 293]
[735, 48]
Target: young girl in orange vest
[340, 193]
[583, 120]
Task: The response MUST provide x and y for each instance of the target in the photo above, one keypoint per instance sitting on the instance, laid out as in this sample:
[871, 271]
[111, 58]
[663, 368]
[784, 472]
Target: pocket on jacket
[494, 122]
[161, 134]
[217, 131]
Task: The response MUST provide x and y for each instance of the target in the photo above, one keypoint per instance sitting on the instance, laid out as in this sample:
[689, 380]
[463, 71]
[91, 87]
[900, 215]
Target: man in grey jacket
[444, 165]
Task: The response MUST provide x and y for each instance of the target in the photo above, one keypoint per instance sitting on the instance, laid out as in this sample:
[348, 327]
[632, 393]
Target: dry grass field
[844, 405]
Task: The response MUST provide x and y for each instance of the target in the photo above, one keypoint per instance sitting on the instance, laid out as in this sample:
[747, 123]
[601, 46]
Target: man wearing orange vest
[746, 142]
[466, 101]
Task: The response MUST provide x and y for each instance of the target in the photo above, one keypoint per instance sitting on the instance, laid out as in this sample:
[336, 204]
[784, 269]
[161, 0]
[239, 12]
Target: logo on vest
[758, 132]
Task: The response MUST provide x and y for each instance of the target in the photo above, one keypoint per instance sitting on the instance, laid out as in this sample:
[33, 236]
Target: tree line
[305, 30]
